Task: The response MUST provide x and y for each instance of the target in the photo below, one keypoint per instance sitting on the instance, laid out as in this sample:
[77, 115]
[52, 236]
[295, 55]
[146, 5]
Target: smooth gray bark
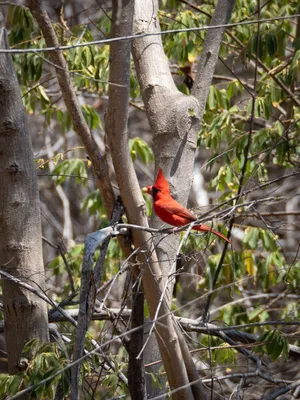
[175, 121]
[116, 128]
[20, 226]
[210, 54]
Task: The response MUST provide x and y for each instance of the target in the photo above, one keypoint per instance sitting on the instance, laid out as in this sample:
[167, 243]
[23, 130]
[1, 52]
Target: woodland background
[240, 171]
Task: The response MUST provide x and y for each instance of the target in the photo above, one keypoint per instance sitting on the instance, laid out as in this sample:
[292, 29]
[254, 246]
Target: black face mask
[154, 191]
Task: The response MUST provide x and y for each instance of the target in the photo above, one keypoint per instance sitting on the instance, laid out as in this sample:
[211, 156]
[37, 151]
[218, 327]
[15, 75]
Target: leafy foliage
[274, 343]
[48, 359]
[139, 148]
[93, 204]
[71, 168]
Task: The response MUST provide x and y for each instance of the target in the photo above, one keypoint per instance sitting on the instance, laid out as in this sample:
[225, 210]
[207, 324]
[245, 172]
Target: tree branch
[80, 126]
[210, 53]
[116, 129]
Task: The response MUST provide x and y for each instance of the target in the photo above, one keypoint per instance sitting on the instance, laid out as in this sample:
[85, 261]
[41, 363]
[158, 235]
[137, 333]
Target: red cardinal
[170, 211]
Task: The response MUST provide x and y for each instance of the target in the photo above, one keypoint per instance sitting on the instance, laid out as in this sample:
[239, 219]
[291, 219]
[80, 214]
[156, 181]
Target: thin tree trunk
[175, 121]
[180, 373]
[136, 371]
[25, 314]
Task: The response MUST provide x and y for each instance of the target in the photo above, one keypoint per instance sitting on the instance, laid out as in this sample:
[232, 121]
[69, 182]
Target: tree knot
[13, 169]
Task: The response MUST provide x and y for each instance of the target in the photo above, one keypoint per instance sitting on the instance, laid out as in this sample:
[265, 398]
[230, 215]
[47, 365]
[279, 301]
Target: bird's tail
[205, 228]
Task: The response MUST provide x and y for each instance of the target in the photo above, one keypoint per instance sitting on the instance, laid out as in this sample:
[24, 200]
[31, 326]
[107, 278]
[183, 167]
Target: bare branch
[90, 280]
[282, 390]
[137, 36]
[39, 294]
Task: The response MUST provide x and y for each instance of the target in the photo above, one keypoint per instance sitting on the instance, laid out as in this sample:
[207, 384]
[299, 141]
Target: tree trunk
[175, 118]
[177, 361]
[20, 226]
[175, 122]
[136, 370]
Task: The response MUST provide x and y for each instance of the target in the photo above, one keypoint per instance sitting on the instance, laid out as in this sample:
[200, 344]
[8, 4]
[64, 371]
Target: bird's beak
[147, 189]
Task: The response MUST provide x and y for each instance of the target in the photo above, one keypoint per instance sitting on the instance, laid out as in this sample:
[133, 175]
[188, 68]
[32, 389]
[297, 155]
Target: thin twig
[39, 294]
[143, 35]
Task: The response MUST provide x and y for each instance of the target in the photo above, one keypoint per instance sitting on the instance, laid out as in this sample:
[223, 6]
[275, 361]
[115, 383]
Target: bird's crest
[161, 183]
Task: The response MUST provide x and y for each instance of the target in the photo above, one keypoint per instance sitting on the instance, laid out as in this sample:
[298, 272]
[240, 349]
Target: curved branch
[210, 53]
[80, 126]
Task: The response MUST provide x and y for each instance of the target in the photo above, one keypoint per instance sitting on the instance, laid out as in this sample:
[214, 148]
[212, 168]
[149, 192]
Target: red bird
[170, 211]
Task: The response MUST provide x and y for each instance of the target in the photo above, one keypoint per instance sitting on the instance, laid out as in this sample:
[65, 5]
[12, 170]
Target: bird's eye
[154, 191]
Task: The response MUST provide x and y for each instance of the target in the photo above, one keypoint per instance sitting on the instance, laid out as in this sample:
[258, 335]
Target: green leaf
[22, 27]
[64, 120]
[15, 384]
[251, 237]
[225, 356]
[43, 94]
[256, 40]
[88, 56]
[254, 313]
[274, 343]
[275, 347]
[296, 44]
[93, 204]
[155, 380]
[69, 169]
[5, 381]
[281, 43]
[271, 43]
[78, 57]
[285, 348]
[268, 240]
[250, 264]
[211, 99]
[65, 382]
[91, 116]
[146, 310]
[282, 151]
[31, 344]
[139, 148]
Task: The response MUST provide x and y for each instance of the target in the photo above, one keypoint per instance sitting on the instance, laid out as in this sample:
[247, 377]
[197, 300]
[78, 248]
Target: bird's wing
[173, 207]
